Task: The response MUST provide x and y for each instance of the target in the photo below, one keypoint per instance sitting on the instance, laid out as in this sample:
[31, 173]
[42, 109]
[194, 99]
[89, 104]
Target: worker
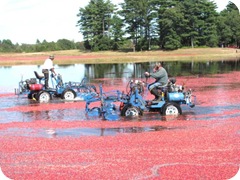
[161, 80]
[48, 66]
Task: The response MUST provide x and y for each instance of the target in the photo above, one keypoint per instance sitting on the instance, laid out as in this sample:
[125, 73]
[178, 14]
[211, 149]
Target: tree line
[162, 24]
[6, 45]
[145, 25]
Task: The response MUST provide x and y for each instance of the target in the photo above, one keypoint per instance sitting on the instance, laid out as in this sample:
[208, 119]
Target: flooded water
[80, 132]
[216, 85]
[13, 74]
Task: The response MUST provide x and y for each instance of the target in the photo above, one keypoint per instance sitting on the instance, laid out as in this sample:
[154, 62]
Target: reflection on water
[174, 68]
[75, 72]
[29, 112]
[80, 132]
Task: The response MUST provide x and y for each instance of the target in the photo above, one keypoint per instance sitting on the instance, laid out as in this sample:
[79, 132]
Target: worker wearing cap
[48, 66]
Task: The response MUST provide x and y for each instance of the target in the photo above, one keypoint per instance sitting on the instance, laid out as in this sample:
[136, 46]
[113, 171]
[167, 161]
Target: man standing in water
[161, 80]
[48, 66]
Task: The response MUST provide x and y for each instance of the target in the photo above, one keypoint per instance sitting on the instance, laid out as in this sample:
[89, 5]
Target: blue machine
[173, 96]
[133, 103]
[67, 91]
[107, 109]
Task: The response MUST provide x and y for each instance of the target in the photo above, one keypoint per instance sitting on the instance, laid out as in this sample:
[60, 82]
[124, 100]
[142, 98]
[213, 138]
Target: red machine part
[35, 87]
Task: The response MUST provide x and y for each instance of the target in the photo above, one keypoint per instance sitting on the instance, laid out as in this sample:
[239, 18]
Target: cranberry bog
[58, 141]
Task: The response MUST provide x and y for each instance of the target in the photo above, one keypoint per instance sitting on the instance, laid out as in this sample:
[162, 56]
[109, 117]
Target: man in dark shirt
[161, 76]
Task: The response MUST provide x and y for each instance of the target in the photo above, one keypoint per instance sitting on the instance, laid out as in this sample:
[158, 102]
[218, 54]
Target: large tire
[43, 97]
[171, 108]
[131, 111]
[69, 94]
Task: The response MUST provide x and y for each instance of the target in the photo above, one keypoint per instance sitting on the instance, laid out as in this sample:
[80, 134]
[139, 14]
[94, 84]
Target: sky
[25, 21]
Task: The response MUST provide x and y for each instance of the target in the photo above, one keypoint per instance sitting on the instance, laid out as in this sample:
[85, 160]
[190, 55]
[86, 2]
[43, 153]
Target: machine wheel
[131, 111]
[69, 94]
[43, 97]
[171, 109]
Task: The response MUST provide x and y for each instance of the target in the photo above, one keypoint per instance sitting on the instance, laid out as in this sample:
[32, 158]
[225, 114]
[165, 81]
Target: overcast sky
[25, 21]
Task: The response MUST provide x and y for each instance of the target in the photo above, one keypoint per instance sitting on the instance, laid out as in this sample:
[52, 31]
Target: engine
[172, 87]
[29, 84]
[136, 85]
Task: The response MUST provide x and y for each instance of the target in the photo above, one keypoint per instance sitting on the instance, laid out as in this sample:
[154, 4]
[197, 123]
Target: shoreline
[75, 56]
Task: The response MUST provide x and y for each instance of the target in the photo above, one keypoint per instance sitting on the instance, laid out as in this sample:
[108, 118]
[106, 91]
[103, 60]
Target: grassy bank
[75, 56]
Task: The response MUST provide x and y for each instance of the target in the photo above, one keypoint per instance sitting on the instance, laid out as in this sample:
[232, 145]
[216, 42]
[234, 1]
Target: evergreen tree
[138, 17]
[200, 26]
[116, 32]
[95, 24]
[229, 26]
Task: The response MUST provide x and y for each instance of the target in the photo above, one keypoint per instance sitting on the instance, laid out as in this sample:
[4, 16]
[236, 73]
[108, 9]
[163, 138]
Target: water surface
[216, 84]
